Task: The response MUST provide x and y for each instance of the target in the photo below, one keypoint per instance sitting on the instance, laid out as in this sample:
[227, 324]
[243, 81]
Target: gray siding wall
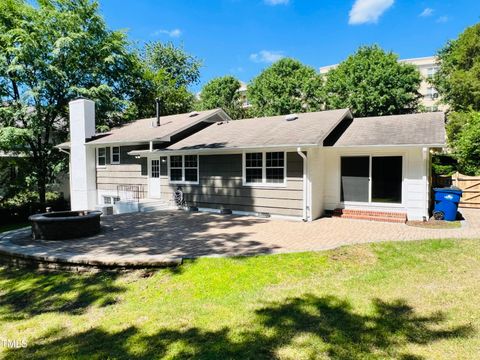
[221, 187]
[130, 171]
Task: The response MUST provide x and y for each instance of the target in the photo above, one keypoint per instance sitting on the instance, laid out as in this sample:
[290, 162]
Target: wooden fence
[471, 190]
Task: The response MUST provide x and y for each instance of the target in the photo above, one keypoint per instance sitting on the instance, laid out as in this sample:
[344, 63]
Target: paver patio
[160, 237]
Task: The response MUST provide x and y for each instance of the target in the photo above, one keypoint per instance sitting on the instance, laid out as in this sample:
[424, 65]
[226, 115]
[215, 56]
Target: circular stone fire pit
[63, 225]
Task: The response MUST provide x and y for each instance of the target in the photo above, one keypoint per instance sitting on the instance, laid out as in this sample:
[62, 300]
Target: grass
[8, 227]
[408, 300]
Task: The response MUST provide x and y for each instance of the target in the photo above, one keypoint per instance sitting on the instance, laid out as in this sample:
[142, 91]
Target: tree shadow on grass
[334, 330]
[25, 293]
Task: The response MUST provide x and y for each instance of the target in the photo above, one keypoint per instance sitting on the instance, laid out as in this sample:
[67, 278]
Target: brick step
[371, 215]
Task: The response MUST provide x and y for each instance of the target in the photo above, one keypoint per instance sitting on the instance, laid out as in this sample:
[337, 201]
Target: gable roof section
[141, 131]
[412, 129]
[307, 129]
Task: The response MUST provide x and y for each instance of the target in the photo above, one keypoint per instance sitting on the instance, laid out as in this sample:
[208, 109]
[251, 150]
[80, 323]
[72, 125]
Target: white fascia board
[145, 153]
[387, 145]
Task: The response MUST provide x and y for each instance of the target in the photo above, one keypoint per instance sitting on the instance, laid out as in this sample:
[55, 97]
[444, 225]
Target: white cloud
[442, 19]
[174, 33]
[368, 11]
[276, 2]
[266, 56]
[426, 12]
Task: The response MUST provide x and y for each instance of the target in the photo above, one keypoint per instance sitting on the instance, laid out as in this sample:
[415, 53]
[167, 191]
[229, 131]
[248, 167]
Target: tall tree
[458, 78]
[168, 72]
[463, 130]
[287, 86]
[372, 82]
[50, 54]
[223, 92]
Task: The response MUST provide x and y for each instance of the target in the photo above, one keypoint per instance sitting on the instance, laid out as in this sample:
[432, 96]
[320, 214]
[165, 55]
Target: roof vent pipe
[157, 103]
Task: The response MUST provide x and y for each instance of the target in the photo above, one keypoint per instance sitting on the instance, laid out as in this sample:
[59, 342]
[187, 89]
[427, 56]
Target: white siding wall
[414, 187]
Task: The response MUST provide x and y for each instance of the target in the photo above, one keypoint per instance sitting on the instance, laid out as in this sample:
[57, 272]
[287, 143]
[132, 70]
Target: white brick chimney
[83, 193]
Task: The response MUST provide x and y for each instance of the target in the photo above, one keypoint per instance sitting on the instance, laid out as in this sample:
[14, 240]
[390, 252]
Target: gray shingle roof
[411, 129]
[142, 131]
[307, 129]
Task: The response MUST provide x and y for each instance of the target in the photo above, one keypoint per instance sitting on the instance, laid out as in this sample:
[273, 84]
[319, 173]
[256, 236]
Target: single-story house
[299, 165]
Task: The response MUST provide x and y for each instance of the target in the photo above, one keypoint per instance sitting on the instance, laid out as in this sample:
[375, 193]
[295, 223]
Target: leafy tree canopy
[223, 92]
[372, 82]
[458, 79]
[287, 86]
[50, 54]
[463, 130]
[168, 72]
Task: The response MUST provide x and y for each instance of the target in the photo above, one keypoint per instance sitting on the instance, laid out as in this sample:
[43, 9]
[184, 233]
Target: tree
[463, 130]
[285, 87]
[222, 92]
[50, 54]
[168, 72]
[458, 78]
[372, 82]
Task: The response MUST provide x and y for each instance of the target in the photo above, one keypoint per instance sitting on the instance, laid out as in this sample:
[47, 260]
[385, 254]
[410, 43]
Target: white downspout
[305, 187]
[151, 146]
[426, 158]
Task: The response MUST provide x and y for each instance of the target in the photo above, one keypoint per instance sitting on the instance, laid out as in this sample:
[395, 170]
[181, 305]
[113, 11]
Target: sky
[242, 37]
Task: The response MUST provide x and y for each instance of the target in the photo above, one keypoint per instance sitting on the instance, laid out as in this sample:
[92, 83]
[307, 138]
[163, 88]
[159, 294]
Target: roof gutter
[305, 185]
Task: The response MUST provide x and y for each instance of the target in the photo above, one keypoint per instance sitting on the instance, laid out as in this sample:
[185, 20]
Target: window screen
[176, 168]
[115, 155]
[275, 167]
[387, 179]
[101, 156]
[253, 167]
[191, 168]
[355, 172]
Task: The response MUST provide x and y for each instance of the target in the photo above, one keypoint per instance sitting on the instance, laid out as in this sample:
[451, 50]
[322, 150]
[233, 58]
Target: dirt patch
[359, 254]
[436, 224]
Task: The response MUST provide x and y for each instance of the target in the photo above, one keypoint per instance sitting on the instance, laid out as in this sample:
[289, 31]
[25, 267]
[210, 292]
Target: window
[275, 167]
[155, 164]
[115, 155]
[375, 179]
[101, 156]
[253, 168]
[264, 168]
[191, 168]
[110, 200]
[176, 168]
[184, 168]
[355, 178]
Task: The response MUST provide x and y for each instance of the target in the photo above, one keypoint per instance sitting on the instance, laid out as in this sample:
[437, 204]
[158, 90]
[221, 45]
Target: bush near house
[18, 208]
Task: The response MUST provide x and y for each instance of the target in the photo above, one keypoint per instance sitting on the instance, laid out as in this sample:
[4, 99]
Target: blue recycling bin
[446, 203]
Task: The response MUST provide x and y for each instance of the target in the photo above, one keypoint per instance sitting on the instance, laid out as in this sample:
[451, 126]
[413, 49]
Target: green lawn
[409, 300]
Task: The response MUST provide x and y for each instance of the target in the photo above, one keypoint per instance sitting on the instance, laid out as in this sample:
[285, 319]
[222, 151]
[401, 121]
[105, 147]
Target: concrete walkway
[165, 238]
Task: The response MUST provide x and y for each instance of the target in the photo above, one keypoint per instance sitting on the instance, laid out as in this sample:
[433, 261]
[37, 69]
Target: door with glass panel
[154, 178]
[371, 179]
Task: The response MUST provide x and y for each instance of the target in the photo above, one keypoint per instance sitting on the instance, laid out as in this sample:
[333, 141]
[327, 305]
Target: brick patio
[163, 237]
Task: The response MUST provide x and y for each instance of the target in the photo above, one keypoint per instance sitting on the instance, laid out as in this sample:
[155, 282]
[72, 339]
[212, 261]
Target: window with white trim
[115, 155]
[184, 169]
[266, 168]
[101, 156]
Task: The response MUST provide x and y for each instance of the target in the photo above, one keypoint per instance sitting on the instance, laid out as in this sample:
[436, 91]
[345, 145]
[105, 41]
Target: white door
[154, 178]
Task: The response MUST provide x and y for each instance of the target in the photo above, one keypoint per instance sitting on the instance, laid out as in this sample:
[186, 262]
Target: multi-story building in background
[427, 66]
